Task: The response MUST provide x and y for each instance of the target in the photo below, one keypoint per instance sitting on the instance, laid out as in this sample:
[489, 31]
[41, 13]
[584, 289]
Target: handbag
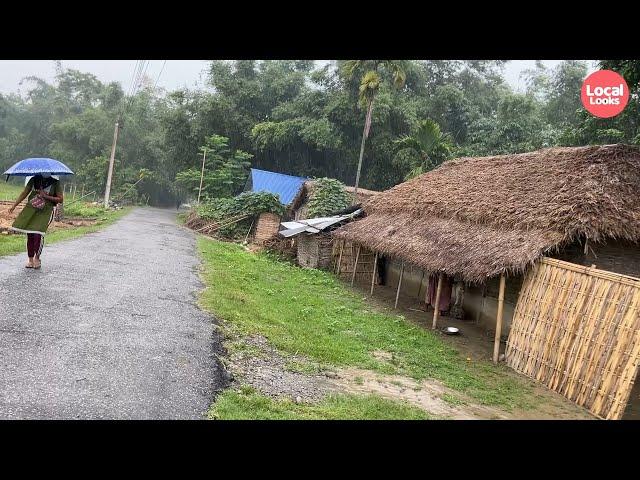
[38, 202]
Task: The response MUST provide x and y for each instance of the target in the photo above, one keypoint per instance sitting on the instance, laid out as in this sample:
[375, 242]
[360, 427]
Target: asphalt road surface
[109, 327]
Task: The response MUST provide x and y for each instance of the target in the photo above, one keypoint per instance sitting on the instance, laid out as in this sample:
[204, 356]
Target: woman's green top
[32, 220]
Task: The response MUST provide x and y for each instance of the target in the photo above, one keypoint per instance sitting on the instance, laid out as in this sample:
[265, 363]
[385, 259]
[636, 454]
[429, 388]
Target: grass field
[247, 404]
[311, 313]
[9, 191]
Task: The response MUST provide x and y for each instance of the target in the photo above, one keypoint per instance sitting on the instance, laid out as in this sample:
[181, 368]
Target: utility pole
[110, 174]
[204, 156]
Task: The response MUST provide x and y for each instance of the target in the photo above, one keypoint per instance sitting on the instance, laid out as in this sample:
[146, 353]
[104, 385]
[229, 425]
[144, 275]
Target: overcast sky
[176, 73]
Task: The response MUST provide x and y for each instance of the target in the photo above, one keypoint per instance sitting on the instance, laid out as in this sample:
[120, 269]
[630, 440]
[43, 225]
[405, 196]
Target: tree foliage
[225, 172]
[295, 117]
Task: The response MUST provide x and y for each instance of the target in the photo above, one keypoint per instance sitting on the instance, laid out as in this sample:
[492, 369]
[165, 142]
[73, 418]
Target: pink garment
[445, 292]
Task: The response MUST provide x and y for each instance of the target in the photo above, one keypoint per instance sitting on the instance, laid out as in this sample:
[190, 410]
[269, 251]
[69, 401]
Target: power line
[161, 70]
[134, 86]
[140, 70]
[124, 97]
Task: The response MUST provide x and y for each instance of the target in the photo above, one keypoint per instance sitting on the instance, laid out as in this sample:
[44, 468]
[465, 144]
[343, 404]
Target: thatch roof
[363, 193]
[478, 217]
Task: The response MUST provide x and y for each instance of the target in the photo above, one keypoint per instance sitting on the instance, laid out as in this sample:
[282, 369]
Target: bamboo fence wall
[345, 253]
[577, 330]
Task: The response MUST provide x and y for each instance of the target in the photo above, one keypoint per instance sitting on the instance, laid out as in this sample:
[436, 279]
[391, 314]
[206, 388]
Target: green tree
[225, 172]
[370, 82]
[424, 150]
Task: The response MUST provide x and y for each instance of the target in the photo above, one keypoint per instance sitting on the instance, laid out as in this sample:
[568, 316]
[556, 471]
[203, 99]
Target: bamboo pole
[399, 284]
[355, 266]
[436, 307]
[420, 286]
[375, 270]
[426, 292]
[249, 231]
[496, 343]
[340, 258]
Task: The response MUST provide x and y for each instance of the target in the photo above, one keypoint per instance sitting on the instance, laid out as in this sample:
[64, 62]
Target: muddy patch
[254, 362]
[429, 395]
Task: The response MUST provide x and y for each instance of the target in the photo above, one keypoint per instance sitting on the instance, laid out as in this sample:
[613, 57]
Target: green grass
[250, 405]
[9, 191]
[11, 244]
[453, 400]
[85, 210]
[311, 313]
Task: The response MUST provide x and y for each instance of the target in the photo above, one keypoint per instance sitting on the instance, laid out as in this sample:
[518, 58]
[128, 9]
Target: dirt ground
[252, 361]
[6, 219]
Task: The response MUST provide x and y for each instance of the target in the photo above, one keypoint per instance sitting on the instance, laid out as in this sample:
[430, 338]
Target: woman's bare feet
[29, 263]
[36, 263]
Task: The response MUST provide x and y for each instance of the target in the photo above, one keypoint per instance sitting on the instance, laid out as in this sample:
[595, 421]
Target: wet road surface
[109, 327]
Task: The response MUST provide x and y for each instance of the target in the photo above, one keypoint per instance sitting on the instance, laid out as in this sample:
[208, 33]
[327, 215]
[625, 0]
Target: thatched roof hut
[479, 217]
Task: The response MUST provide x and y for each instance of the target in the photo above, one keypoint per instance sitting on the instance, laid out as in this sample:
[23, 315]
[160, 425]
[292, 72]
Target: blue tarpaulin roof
[285, 186]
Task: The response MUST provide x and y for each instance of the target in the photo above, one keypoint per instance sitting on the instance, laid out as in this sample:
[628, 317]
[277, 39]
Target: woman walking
[44, 194]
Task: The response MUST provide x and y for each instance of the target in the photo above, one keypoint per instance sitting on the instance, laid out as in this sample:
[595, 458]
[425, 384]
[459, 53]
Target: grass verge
[247, 404]
[11, 244]
[311, 313]
[9, 191]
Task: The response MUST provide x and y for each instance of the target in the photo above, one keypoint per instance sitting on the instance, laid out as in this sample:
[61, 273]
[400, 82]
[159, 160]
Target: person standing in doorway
[44, 194]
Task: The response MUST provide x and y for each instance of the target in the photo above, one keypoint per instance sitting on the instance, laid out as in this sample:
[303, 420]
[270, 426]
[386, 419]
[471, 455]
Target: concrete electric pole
[110, 174]
[204, 157]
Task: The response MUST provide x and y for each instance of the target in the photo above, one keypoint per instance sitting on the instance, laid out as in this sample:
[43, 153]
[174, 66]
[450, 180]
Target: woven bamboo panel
[577, 330]
[347, 260]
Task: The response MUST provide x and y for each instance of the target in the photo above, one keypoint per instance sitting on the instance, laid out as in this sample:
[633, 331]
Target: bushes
[328, 197]
[248, 204]
[85, 210]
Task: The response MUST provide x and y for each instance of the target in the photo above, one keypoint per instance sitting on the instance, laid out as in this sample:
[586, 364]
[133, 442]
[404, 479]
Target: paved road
[109, 327]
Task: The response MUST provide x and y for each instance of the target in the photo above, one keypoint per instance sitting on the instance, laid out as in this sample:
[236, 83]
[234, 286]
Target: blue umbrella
[33, 166]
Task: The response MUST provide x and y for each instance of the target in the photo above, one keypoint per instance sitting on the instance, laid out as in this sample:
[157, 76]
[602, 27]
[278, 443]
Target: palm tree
[370, 82]
[428, 143]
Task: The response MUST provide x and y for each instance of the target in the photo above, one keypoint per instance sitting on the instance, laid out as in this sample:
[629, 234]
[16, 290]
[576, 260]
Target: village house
[475, 218]
[315, 249]
[542, 246]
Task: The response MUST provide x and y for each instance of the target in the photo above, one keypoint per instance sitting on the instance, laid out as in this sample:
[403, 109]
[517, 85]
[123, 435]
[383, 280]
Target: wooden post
[375, 271]
[340, 258]
[82, 191]
[481, 309]
[496, 344]
[420, 286]
[355, 265]
[110, 174]
[399, 284]
[426, 291]
[204, 157]
[436, 307]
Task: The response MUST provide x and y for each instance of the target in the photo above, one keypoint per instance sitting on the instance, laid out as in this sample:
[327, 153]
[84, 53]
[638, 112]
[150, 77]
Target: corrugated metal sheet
[314, 225]
[285, 186]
